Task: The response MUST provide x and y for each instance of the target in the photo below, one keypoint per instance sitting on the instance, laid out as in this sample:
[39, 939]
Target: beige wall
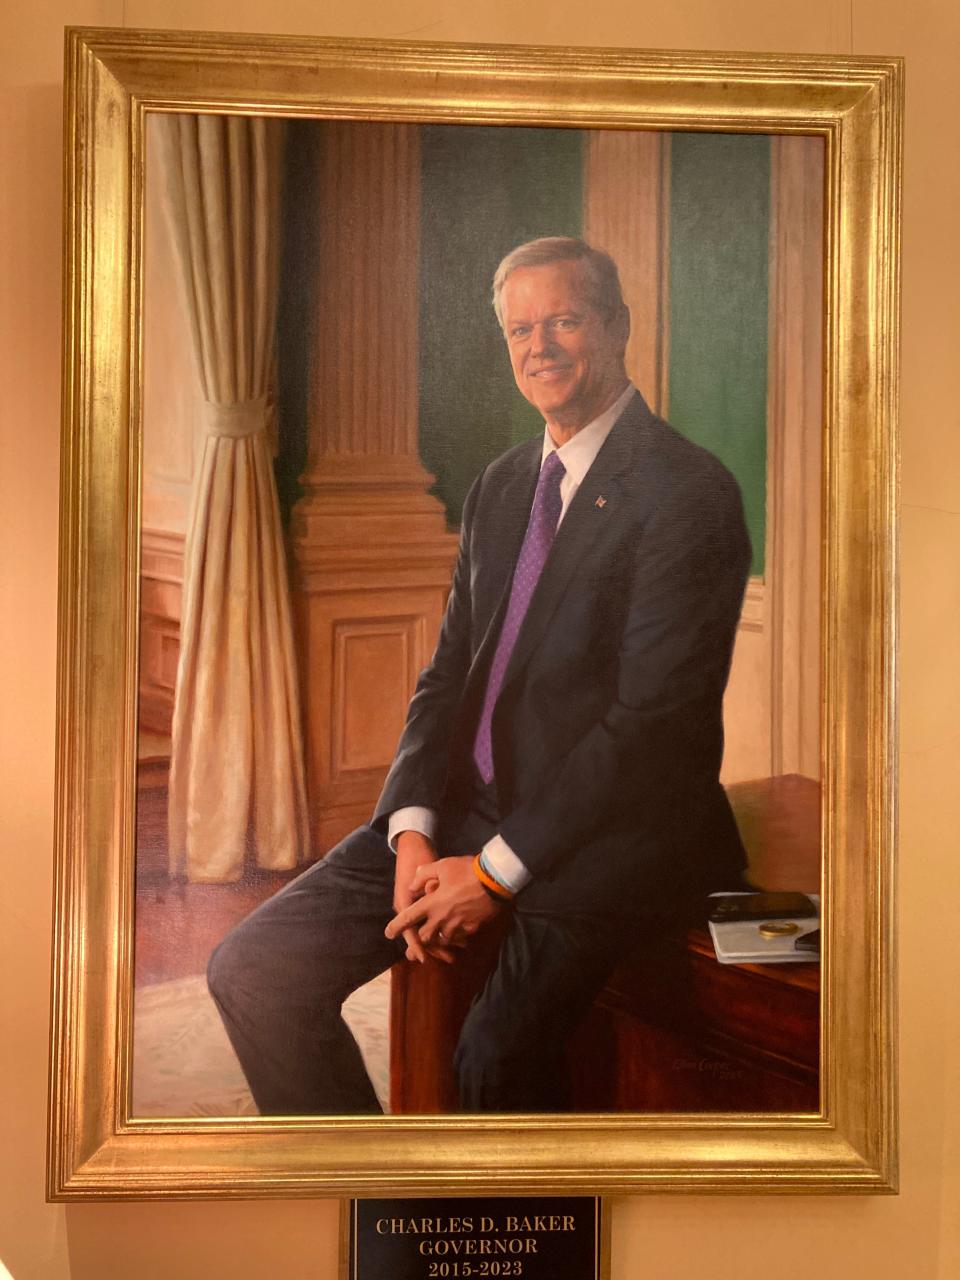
[916, 1235]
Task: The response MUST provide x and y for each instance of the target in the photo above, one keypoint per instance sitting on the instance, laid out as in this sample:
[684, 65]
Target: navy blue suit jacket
[608, 732]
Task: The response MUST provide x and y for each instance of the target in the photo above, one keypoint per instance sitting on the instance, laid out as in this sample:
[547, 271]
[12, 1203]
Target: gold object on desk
[778, 929]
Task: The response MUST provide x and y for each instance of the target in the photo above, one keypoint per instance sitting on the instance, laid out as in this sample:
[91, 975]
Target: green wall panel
[719, 233]
[485, 190]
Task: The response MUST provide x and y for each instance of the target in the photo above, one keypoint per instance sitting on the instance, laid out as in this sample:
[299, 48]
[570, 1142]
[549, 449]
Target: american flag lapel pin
[600, 503]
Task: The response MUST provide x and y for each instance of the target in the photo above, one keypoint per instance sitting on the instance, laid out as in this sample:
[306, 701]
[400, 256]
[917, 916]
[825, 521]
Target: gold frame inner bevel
[95, 1148]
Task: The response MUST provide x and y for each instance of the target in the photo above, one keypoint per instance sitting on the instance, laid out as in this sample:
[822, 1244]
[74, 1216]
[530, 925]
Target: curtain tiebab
[235, 421]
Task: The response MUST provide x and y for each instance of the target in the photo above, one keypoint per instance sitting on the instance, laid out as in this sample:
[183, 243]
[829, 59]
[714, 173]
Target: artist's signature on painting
[717, 1067]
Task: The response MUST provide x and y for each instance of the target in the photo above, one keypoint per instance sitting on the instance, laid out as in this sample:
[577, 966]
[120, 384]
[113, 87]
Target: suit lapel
[587, 517]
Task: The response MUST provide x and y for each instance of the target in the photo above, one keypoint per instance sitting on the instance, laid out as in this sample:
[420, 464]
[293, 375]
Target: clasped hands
[440, 903]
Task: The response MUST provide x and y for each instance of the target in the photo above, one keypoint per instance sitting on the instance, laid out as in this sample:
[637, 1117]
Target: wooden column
[626, 210]
[373, 558]
[794, 449]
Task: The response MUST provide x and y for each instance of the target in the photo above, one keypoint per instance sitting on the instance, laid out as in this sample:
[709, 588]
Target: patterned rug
[183, 1063]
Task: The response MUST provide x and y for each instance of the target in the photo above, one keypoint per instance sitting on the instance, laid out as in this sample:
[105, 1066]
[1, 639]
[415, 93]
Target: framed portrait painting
[478, 553]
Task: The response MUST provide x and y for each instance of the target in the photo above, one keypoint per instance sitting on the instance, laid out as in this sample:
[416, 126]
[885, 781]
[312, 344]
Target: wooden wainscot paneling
[369, 645]
[375, 661]
[746, 705]
[161, 589]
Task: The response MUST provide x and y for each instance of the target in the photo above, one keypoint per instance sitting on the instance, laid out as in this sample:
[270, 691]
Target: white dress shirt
[577, 456]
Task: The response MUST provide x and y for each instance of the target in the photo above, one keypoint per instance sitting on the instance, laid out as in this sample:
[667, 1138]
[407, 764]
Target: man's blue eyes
[523, 331]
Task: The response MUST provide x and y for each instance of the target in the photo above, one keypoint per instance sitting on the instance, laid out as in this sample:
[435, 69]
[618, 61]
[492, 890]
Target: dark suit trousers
[281, 976]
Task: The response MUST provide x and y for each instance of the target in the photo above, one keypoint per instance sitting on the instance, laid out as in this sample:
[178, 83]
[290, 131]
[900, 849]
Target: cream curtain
[237, 791]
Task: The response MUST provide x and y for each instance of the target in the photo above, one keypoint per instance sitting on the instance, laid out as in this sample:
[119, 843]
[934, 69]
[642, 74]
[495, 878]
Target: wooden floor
[179, 924]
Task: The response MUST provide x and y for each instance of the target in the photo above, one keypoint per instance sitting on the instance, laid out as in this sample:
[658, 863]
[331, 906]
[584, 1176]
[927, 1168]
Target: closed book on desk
[743, 942]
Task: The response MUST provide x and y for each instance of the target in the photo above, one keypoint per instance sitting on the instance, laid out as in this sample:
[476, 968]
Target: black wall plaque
[480, 1238]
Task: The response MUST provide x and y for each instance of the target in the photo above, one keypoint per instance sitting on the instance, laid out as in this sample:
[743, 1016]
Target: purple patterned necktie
[541, 530]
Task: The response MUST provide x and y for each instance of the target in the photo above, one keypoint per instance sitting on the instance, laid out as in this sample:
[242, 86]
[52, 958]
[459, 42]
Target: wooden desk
[711, 1037]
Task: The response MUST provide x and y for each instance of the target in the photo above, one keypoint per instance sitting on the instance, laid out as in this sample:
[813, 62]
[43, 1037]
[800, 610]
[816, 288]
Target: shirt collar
[578, 454]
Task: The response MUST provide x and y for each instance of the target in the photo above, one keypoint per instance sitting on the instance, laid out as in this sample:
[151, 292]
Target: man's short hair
[600, 269]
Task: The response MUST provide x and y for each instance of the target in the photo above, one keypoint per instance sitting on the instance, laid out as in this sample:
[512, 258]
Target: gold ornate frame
[95, 1147]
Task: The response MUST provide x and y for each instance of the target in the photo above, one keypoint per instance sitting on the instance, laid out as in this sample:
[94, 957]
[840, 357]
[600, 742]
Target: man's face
[567, 360]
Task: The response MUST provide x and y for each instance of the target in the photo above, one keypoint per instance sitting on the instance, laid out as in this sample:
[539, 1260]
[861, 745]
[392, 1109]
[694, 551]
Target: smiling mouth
[551, 372]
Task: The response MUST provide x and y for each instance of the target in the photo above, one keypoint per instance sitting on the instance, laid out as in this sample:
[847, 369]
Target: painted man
[561, 756]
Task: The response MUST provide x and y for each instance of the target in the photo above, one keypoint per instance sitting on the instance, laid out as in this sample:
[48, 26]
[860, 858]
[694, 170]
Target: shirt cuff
[502, 864]
[413, 818]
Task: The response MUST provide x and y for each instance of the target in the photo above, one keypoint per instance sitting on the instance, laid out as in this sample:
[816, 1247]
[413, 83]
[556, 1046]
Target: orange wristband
[492, 886]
